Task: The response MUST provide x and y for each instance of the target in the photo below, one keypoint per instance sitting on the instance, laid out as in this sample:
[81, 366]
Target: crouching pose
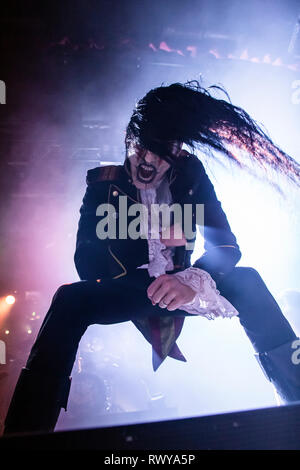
[140, 270]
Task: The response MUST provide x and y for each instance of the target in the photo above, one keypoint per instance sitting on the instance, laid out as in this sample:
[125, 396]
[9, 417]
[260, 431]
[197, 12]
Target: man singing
[149, 279]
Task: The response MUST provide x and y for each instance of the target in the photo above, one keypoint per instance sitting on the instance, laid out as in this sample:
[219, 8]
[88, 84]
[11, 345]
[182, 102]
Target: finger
[174, 304]
[155, 285]
[161, 292]
[166, 300]
[174, 242]
[155, 290]
[173, 236]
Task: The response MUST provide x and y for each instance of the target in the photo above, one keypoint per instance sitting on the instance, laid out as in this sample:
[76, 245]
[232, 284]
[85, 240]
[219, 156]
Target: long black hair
[189, 113]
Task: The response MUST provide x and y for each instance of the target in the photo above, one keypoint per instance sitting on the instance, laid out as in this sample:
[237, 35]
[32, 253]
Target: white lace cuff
[207, 302]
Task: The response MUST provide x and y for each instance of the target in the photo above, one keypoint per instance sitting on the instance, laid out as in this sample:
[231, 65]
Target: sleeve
[221, 249]
[91, 254]
[207, 301]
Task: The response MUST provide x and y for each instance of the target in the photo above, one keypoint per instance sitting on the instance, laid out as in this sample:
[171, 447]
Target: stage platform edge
[275, 428]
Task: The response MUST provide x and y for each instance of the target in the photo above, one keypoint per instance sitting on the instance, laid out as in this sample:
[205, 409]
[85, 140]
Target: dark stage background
[71, 73]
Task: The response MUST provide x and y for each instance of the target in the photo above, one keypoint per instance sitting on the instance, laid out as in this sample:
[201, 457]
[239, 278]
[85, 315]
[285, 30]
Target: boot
[282, 367]
[36, 403]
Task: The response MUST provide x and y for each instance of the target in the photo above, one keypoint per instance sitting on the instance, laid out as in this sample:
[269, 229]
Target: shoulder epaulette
[104, 173]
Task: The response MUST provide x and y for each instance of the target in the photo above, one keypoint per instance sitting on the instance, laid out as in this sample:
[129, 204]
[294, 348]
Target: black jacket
[113, 258]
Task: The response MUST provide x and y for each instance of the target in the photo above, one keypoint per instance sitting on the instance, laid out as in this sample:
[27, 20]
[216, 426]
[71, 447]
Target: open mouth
[146, 173]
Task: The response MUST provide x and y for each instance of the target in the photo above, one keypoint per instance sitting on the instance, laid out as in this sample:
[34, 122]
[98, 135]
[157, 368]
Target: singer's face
[147, 168]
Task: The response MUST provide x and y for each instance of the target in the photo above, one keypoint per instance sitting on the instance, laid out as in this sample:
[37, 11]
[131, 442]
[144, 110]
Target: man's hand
[173, 236]
[168, 292]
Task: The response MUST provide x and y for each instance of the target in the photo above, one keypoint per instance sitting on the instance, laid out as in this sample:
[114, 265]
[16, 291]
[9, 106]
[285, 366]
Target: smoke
[70, 114]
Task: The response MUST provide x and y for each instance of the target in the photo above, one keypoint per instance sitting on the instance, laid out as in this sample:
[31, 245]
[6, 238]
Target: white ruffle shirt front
[207, 301]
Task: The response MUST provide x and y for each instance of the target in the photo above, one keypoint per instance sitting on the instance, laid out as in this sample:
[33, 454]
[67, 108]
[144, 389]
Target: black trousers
[76, 306]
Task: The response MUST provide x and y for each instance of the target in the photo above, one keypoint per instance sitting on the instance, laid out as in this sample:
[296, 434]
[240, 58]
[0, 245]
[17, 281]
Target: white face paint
[147, 168]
